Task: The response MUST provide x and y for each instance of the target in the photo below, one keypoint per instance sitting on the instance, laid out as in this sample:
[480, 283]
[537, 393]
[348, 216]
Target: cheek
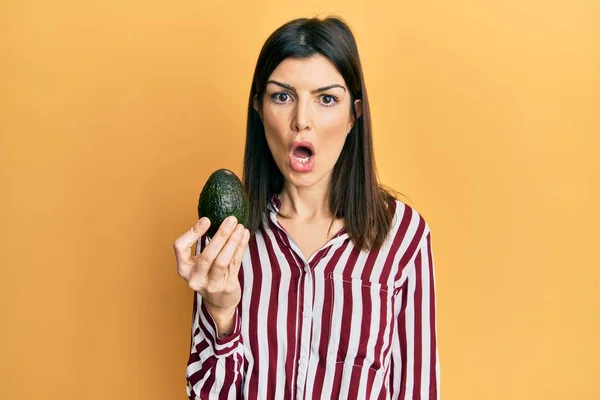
[333, 127]
[276, 122]
[333, 119]
[334, 146]
[275, 133]
[329, 125]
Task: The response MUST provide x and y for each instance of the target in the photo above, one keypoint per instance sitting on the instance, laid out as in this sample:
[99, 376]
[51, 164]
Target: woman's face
[306, 115]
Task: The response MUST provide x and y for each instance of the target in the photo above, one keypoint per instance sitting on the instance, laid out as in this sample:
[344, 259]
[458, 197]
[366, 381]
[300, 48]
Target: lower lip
[302, 167]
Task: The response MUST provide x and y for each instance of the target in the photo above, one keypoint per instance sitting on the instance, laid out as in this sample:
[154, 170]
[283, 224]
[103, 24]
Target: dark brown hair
[356, 195]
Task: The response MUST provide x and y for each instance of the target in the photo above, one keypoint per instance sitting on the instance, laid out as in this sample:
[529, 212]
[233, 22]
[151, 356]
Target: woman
[329, 292]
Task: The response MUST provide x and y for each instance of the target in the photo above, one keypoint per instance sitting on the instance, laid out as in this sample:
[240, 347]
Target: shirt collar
[274, 204]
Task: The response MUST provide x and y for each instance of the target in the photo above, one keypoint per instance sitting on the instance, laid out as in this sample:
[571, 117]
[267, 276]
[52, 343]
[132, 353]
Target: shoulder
[408, 226]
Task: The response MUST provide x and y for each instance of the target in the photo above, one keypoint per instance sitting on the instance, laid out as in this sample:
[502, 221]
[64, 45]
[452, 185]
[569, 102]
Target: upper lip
[303, 143]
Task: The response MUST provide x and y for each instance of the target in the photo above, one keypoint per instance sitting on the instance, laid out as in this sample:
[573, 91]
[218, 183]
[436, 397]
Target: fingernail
[239, 230]
[230, 221]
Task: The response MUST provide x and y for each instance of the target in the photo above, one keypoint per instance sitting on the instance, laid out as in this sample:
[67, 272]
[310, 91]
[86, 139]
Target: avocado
[222, 195]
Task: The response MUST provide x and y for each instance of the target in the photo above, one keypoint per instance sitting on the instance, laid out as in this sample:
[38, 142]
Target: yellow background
[113, 114]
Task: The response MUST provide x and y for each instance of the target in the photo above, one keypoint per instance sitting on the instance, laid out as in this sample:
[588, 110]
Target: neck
[305, 204]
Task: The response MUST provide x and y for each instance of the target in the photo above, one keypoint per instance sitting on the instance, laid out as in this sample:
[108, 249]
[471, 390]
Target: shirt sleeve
[215, 365]
[415, 359]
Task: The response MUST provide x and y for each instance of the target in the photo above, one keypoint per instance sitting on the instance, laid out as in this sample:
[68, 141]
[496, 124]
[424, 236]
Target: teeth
[302, 160]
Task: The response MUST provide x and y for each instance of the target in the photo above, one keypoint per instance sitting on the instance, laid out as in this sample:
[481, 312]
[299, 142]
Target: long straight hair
[355, 194]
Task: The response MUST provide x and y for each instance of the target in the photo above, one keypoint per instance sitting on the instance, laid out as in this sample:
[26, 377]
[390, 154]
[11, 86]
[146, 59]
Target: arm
[215, 365]
[415, 360]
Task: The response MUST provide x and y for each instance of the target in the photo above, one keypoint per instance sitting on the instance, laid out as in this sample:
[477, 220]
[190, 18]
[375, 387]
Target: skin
[214, 272]
[293, 109]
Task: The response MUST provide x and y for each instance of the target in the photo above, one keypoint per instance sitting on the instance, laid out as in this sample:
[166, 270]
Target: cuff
[221, 346]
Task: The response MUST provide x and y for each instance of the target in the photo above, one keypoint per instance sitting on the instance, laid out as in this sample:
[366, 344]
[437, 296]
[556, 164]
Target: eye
[328, 100]
[281, 97]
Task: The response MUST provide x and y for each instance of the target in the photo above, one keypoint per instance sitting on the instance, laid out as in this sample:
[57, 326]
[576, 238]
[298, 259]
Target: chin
[303, 179]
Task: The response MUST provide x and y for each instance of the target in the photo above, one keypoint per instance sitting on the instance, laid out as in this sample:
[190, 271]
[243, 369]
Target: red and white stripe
[344, 324]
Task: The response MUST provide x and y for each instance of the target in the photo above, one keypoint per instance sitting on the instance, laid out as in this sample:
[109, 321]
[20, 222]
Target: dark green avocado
[223, 195]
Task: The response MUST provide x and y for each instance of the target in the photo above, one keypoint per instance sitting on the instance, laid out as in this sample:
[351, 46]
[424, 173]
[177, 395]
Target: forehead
[308, 73]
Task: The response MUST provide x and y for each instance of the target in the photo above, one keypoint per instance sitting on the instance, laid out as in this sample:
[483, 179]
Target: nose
[301, 117]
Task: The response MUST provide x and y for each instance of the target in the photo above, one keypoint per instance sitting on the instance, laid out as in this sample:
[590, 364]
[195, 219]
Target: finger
[236, 262]
[183, 244]
[220, 266]
[212, 250]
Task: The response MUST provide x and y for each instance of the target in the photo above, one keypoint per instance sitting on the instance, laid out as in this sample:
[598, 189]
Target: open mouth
[303, 154]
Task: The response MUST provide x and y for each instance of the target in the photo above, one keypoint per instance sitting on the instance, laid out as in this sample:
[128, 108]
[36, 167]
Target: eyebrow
[293, 89]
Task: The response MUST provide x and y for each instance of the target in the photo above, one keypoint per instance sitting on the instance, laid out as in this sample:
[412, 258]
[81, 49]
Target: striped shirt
[344, 324]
